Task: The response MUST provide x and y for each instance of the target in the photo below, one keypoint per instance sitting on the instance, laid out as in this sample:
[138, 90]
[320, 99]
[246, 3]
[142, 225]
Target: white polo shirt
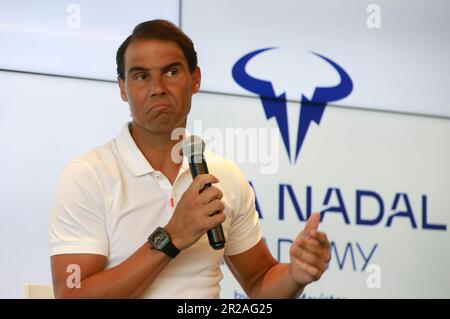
[111, 199]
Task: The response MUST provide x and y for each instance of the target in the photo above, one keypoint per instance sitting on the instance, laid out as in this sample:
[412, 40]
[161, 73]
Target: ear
[123, 91]
[196, 80]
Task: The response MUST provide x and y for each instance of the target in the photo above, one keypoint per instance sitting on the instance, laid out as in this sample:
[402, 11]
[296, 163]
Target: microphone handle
[215, 235]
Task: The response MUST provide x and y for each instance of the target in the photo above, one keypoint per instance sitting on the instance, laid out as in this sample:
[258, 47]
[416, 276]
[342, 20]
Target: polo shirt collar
[132, 156]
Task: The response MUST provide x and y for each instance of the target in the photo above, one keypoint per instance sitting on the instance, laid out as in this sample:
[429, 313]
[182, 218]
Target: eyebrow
[138, 69]
[171, 65]
[147, 70]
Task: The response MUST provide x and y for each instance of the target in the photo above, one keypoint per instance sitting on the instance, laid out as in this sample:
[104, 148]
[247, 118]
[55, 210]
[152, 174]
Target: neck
[157, 148]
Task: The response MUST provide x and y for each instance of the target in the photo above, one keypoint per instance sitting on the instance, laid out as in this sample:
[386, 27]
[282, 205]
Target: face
[158, 85]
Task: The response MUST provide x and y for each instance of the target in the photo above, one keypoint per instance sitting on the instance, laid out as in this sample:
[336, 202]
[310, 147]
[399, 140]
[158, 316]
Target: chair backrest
[35, 291]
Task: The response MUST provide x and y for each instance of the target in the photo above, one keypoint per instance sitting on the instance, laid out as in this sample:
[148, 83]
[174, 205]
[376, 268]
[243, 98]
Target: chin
[162, 128]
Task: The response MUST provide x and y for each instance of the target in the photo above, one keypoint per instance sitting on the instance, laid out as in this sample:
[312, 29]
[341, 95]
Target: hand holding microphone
[193, 149]
[200, 209]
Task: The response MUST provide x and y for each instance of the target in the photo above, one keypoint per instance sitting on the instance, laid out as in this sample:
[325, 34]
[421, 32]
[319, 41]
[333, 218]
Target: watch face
[159, 238]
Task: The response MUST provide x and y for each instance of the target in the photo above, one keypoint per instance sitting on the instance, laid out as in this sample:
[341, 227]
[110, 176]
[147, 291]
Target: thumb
[312, 224]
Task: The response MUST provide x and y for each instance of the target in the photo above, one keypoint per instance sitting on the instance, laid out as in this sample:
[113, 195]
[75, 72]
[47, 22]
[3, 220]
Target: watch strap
[170, 250]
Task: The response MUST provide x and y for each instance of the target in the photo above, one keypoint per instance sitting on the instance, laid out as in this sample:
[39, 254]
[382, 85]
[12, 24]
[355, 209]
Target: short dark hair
[159, 30]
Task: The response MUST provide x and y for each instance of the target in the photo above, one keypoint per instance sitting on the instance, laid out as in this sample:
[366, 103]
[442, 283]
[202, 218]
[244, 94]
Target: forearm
[127, 280]
[276, 283]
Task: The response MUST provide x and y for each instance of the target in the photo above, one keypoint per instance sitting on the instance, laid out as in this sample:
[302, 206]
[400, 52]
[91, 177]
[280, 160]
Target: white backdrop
[44, 122]
[74, 38]
[401, 66]
[403, 159]
[390, 155]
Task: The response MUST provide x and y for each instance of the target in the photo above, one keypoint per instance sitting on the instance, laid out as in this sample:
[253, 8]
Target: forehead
[153, 54]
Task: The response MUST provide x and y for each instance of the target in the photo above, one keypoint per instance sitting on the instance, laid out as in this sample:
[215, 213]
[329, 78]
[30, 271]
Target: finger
[198, 184]
[311, 224]
[310, 270]
[210, 194]
[214, 220]
[312, 246]
[321, 237]
[309, 245]
[307, 257]
[213, 207]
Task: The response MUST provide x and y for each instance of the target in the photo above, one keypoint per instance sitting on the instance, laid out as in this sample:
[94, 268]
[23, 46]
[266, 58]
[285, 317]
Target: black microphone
[193, 148]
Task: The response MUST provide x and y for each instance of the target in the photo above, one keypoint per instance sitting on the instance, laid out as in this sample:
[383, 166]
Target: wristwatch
[160, 240]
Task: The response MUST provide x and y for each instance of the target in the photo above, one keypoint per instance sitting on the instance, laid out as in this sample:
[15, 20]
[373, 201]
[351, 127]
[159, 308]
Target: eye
[172, 72]
[141, 76]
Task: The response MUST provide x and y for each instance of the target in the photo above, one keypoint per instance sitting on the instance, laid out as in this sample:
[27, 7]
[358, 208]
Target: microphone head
[193, 146]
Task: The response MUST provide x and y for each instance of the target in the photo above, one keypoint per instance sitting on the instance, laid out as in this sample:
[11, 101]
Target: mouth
[159, 107]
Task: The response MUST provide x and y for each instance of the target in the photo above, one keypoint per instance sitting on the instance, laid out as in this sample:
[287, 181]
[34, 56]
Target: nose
[157, 86]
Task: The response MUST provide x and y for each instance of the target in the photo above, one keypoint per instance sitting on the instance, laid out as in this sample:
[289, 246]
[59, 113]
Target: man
[111, 199]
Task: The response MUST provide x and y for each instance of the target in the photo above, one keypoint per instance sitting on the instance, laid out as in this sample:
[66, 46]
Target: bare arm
[265, 277]
[191, 219]
[129, 279]
[261, 276]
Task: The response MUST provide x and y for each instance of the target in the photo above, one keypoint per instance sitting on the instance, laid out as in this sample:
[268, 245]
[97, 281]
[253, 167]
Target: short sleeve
[77, 224]
[244, 229]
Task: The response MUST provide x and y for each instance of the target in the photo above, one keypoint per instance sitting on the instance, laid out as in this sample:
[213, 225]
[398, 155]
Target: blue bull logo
[276, 106]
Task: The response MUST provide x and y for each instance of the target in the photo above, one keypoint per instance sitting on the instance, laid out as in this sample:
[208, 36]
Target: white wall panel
[44, 122]
[402, 66]
[72, 38]
[394, 156]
